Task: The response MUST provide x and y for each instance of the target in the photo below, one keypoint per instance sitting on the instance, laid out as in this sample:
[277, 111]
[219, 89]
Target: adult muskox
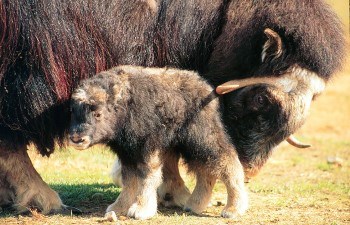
[47, 46]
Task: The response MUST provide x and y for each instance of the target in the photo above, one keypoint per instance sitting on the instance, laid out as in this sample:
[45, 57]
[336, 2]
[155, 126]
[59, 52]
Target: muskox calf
[146, 115]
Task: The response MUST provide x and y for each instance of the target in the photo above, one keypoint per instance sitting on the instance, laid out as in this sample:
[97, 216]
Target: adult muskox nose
[75, 138]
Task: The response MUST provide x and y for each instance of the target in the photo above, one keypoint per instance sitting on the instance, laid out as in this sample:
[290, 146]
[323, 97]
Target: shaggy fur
[179, 115]
[48, 46]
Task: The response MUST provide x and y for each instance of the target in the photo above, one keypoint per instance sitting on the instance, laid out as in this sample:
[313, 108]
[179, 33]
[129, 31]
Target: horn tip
[226, 88]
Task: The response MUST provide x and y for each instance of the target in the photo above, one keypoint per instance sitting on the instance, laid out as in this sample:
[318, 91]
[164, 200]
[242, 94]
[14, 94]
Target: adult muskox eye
[260, 100]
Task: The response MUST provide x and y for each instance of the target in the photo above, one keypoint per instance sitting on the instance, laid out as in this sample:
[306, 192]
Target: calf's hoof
[173, 197]
[142, 212]
[235, 211]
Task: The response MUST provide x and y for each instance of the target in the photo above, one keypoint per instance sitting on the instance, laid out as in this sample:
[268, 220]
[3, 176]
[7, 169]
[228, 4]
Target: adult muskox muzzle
[262, 112]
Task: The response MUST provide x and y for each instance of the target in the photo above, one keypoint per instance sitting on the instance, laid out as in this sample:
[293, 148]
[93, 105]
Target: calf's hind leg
[215, 158]
[172, 191]
[232, 176]
[28, 187]
[201, 194]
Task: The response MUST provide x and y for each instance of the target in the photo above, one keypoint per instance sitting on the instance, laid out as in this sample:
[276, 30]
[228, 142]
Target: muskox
[47, 47]
[145, 114]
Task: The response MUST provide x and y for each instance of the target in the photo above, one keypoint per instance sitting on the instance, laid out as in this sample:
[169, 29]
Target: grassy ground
[295, 187]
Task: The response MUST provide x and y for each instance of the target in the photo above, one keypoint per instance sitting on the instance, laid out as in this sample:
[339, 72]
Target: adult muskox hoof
[7, 196]
[38, 196]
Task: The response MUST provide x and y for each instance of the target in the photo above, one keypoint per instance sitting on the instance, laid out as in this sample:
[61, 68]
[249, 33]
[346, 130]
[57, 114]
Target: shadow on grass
[179, 211]
[91, 199]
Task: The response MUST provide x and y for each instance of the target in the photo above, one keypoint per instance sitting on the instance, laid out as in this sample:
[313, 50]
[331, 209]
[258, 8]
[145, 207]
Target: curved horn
[296, 143]
[235, 84]
[226, 88]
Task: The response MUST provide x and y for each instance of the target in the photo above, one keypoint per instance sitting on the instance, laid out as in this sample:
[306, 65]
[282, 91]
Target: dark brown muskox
[46, 47]
[145, 114]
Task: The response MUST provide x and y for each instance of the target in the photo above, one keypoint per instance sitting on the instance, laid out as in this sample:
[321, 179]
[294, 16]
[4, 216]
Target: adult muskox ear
[273, 47]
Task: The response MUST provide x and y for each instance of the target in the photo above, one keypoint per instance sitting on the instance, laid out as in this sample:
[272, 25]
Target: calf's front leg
[138, 198]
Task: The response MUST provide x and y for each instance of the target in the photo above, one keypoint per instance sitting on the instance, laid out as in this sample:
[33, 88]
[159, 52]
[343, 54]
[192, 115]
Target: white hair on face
[287, 84]
[298, 76]
[315, 83]
[80, 95]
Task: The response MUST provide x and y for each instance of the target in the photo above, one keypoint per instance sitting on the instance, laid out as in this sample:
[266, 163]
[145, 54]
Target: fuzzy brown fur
[179, 115]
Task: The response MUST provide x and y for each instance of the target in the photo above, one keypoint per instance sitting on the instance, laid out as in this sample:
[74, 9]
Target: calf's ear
[273, 47]
[80, 95]
[98, 95]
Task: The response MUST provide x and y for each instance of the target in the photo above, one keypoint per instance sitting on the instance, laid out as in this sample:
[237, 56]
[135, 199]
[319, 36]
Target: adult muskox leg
[172, 191]
[29, 188]
[7, 194]
[138, 198]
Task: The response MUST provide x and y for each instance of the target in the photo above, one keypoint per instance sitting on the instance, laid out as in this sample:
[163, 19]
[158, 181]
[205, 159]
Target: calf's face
[92, 119]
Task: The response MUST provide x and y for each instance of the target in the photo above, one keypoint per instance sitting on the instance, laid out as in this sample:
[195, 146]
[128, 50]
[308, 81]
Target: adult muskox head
[260, 116]
[261, 112]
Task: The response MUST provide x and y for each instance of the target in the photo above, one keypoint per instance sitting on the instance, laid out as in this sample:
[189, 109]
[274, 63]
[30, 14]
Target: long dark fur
[46, 47]
[312, 36]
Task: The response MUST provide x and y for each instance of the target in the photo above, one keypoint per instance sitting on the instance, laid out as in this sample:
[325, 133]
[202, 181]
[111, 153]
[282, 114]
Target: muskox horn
[296, 143]
[235, 84]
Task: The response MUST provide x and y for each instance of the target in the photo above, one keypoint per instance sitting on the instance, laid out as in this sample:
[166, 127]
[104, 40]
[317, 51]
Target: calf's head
[96, 112]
